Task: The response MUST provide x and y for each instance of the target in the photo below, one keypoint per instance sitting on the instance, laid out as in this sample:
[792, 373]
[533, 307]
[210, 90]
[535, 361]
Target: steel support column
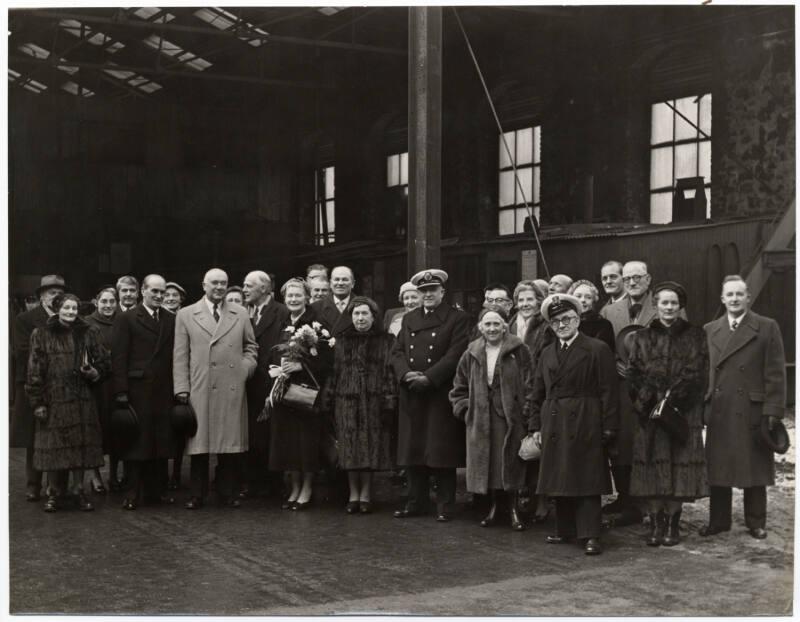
[424, 137]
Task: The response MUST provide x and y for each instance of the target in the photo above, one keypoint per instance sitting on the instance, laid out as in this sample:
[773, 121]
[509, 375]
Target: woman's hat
[184, 420]
[174, 285]
[124, 425]
[408, 286]
[556, 304]
[624, 341]
[673, 287]
[776, 439]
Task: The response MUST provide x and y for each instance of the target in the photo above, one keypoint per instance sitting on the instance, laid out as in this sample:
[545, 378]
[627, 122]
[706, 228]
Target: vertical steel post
[424, 137]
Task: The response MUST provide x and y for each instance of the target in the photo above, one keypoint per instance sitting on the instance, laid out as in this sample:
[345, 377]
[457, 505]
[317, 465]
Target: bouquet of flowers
[301, 345]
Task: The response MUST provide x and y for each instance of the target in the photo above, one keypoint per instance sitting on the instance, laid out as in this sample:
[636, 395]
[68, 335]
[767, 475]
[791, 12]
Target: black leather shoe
[232, 503]
[195, 503]
[352, 507]
[32, 496]
[758, 533]
[287, 505]
[406, 513]
[300, 507]
[712, 530]
[444, 517]
[128, 504]
[592, 547]
[84, 505]
[365, 507]
[51, 504]
[557, 539]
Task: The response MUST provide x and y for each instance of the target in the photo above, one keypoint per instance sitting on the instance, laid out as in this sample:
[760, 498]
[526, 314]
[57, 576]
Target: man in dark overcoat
[575, 415]
[268, 318]
[746, 391]
[141, 351]
[22, 426]
[331, 311]
[425, 356]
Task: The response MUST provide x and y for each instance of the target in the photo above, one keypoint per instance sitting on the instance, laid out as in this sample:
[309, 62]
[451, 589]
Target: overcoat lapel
[266, 319]
[419, 320]
[146, 320]
[744, 334]
[575, 354]
[226, 321]
[202, 316]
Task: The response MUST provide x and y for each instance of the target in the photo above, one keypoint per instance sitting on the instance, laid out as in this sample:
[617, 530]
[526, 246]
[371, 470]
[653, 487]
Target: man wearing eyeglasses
[574, 416]
[495, 296]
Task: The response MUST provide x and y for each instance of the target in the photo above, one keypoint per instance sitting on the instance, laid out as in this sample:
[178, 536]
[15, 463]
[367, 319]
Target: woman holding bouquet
[295, 435]
[362, 394]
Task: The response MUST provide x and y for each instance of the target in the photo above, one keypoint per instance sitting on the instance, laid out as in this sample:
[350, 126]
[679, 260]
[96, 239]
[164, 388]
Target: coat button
[410, 360]
[716, 390]
[429, 360]
[741, 367]
[411, 346]
[213, 364]
[231, 365]
[430, 347]
[433, 334]
[413, 334]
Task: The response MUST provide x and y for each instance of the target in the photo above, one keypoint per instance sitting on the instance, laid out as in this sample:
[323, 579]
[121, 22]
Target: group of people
[553, 392]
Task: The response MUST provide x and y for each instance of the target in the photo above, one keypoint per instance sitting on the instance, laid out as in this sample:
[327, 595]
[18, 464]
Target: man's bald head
[215, 284]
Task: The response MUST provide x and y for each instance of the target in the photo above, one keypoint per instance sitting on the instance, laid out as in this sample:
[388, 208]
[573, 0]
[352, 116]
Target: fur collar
[478, 347]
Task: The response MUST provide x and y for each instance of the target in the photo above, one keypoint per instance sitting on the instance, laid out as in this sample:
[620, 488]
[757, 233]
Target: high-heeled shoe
[287, 504]
[98, 487]
[517, 523]
[84, 505]
[365, 507]
[491, 517]
[300, 506]
[352, 507]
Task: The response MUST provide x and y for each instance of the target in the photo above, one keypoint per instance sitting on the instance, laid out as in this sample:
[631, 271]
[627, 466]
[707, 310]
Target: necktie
[562, 351]
[216, 313]
[155, 315]
[635, 309]
[734, 324]
[340, 305]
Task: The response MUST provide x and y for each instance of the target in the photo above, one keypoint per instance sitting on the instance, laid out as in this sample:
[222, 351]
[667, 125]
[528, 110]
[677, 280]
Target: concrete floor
[260, 560]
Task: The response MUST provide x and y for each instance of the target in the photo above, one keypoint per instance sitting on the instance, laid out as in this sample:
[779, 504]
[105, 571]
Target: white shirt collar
[738, 320]
[149, 310]
[569, 341]
[341, 303]
[210, 306]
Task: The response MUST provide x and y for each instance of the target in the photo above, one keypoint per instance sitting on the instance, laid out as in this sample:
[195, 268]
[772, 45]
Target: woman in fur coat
[670, 354]
[66, 357]
[362, 393]
[492, 394]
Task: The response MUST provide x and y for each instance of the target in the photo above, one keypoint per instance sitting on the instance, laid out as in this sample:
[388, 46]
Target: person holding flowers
[302, 356]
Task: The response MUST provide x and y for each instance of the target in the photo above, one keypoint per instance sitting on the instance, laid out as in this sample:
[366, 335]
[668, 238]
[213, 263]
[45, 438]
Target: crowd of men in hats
[193, 380]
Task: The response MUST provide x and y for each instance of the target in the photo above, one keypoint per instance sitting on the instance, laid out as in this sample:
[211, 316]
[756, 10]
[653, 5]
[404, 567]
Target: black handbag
[670, 420]
[301, 396]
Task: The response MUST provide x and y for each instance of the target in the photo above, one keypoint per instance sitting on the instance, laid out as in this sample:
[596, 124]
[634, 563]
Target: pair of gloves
[417, 381]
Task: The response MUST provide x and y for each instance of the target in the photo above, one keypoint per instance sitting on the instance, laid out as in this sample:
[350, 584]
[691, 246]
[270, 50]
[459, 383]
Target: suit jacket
[212, 362]
[267, 334]
[22, 428]
[428, 433]
[141, 363]
[389, 316]
[747, 381]
[328, 315]
[574, 401]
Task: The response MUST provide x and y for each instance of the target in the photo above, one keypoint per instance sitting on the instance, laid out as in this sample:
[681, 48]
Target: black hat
[776, 439]
[624, 341]
[184, 420]
[673, 287]
[124, 425]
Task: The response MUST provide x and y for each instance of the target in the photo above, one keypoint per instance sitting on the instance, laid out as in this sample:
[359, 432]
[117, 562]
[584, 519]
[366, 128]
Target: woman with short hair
[67, 357]
[668, 361]
[295, 435]
[492, 393]
[362, 395]
[592, 324]
[103, 320]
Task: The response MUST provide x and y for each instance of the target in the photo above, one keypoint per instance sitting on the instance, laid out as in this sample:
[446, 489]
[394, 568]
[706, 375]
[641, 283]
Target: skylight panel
[224, 20]
[150, 87]
[120, 75]
[76, 89]
[13, 75]
[34, 86]
[31, 49]
[134, 79]
[148, 12]
[175, 51]
[329, 10]
[67, 69]
[74, 27]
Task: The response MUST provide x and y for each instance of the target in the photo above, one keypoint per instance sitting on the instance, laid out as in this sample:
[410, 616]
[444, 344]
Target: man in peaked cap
[21, 433]
[574, 415]
[430, 441]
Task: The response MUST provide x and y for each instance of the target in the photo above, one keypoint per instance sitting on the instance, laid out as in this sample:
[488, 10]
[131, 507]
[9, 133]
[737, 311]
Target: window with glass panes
[524, 146]
[324, 206]
[680, 146]
[397, 171]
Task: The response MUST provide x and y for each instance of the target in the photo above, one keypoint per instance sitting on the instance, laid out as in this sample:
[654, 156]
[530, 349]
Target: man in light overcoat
[747, 391]
[215, 354]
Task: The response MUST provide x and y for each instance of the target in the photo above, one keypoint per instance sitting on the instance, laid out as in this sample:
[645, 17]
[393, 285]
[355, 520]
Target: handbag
[300, 396]
[670, 420]
[528, 449]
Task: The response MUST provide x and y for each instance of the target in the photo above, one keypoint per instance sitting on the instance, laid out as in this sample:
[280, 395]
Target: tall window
[525, 148]
[397, 171]
[324, 206]
[680, 146]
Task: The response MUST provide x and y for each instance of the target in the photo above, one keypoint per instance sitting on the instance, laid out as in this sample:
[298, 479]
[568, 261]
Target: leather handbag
[528, 449]
[670, 420]
[300, 396]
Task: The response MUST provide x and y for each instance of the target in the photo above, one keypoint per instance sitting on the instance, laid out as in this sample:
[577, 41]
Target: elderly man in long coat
[142, 342]
[573, 416]
[215, 353]
[430, 440]
[22, 422]
[746, 391]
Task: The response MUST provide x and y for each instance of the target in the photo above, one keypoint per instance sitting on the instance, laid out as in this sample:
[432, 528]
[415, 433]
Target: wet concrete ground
[261, 560]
